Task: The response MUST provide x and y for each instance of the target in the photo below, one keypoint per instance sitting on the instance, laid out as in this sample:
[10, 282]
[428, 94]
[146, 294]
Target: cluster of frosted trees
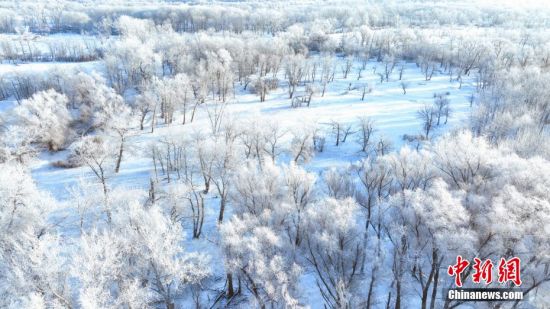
[375, 233]
[77, 17]
[372, 234]
[29, 47]
[133, 259]
[143, 49]
[159, 72]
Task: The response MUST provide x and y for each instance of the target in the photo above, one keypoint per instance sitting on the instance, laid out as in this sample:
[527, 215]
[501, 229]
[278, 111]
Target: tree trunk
[193, 112]
[230, 291]
[153, 121]
[369, 295]
[206, 185]
[119, 159]
[141, 121]
[222, 208]
[434, 288]
[398, 295]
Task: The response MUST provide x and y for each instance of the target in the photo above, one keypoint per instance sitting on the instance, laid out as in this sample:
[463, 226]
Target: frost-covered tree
[130, 62]
[184, 202]
[97, 103]
[441, 107]
[100, 268]
[255, 243]
[147, 265]
[260, 256]
[334, 248]
[187, 169]
[46, 118]
[421, 221]
[263, 85]
[389, 65]
[262, 138]
[301, 146]
[327, 73]
[273, 137]
[501, 119]
[339, 183]
[215, 73]
[341, 132]
[256, 188]
[144, 105]
[428, 117]
[99, 155]
[435, 224]
[16, 145]
[32, 267]
[117, 125]
[171, 93]
[346, 67]
[84, 198]
[294, 72]
[301, 193]
[221, 172]
[252, 138]
[365, 134]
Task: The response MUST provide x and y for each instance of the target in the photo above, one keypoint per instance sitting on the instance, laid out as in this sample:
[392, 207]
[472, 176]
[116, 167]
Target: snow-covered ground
[43, 67]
